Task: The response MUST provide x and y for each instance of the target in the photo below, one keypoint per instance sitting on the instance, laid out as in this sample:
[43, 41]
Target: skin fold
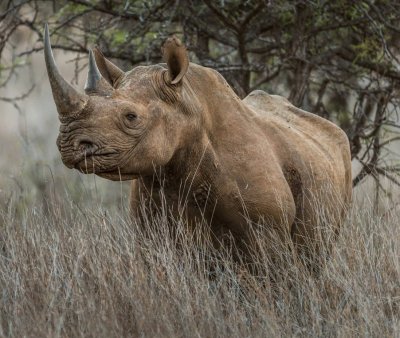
[184, 138]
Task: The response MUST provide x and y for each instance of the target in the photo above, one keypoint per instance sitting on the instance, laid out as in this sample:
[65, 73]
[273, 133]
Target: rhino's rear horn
[95, 83]
[109, 70]
[67, 99]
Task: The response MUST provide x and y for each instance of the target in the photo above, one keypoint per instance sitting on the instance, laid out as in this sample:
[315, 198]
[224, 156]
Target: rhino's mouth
[113, 176]
[95, 162]
[99, 163]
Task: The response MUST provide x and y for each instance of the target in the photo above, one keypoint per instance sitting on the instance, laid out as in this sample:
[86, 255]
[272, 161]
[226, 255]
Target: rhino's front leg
[134, 200]
[142, 202]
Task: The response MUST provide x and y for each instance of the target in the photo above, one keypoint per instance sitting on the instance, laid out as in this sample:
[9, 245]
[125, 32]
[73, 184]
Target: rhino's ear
[107, 69]
[176, 57]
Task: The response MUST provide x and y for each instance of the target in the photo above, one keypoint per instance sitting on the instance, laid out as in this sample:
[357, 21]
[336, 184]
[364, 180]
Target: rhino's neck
[226, 124]
[221, 108]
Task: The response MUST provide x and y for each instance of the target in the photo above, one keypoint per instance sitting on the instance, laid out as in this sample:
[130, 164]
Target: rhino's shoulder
[261, 99]
[270, 106]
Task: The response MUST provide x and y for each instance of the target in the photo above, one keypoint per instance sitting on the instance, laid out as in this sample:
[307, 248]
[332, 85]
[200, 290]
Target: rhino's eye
[131, 116]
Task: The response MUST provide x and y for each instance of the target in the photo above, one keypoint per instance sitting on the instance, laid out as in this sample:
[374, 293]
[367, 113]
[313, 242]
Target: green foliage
[286, 13]
[70, 9]
[117, 37]
[369, 49]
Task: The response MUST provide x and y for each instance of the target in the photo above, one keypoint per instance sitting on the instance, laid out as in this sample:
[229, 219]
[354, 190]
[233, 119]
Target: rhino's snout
[81, 147]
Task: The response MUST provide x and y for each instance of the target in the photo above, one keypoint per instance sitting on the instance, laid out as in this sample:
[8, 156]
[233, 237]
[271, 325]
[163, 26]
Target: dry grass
[69, 270]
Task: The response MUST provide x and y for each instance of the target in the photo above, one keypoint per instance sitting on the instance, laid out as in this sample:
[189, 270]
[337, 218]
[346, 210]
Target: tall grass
[71, 269]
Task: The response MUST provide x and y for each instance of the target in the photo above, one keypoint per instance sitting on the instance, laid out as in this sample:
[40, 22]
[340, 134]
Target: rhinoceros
[179, 127]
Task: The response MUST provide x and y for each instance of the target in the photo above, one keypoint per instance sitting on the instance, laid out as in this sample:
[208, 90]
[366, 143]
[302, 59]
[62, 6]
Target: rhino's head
[125, 124]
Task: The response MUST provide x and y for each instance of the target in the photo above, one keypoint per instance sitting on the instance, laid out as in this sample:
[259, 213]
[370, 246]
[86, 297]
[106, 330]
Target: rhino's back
[278, 110]
[297, 127]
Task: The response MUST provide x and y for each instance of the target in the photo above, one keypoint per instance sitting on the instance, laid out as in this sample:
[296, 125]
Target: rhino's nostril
[86, 147]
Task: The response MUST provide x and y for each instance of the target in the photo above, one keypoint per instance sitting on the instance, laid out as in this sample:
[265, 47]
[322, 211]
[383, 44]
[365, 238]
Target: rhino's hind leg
[316, 227]
[302, 229]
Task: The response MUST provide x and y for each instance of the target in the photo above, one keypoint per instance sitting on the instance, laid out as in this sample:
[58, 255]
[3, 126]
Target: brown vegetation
[71, 269]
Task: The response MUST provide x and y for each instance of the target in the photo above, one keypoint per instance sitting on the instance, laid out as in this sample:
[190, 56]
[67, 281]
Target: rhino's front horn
[95, 83]
[67, 99]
